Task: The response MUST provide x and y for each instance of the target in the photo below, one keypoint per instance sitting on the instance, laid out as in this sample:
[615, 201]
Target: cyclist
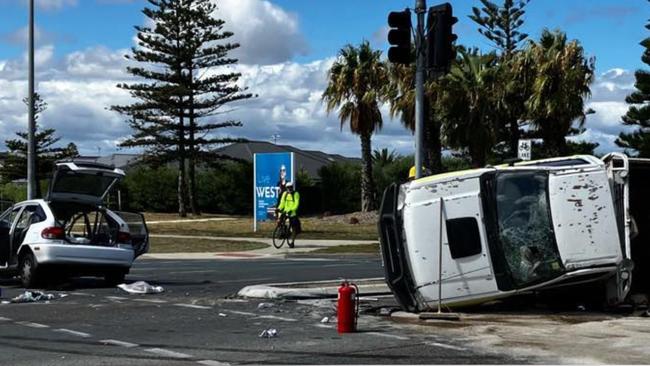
[289, 202]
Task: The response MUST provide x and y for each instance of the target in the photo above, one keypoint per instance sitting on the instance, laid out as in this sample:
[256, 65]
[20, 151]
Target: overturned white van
[472, 236]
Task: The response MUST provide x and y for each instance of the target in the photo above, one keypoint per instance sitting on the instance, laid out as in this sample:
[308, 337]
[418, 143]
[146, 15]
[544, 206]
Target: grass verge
[349, 249]
[243, 227]
[179, 245]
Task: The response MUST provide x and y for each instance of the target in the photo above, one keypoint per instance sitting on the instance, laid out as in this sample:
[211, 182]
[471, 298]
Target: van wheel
[28, 274]
[114, 278]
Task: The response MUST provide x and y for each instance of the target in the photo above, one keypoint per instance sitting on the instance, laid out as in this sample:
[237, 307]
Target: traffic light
[440, 39]
[399, 37]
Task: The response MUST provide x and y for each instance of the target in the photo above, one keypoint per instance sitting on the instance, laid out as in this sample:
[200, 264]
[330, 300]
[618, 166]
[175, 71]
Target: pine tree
[46, 153]
[639, 112]
[186, 54]
[502, 26]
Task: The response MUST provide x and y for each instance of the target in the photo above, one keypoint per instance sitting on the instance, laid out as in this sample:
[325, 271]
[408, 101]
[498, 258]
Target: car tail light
[53, 232]
[123, 238]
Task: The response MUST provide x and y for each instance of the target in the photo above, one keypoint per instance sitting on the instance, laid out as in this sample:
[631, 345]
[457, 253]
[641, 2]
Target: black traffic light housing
[399, 36]
[440, 38]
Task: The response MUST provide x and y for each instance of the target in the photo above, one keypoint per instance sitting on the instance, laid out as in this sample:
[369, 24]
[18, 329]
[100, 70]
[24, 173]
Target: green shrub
[341, 187]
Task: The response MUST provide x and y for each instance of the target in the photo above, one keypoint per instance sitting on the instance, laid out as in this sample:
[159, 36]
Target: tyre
[291, 237]
[114, 278]
[28, 270]
[279, 236]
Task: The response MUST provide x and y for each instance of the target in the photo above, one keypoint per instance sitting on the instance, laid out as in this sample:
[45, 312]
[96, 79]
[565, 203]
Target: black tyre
[28, 270]
[114, 278]
[291, 237]
[279, 236]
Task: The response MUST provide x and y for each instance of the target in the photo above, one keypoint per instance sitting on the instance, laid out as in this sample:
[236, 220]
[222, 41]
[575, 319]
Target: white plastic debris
[223, 315]
[325, 320]
[141, 287]
[264, 305]
[269, 333]
[32, 296]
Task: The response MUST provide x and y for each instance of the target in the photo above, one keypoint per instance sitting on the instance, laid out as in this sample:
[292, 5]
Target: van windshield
[525, 230]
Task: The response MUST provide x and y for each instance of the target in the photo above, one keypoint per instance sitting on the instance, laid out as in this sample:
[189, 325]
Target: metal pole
[31, 125]
[420, 9]
[442, 212]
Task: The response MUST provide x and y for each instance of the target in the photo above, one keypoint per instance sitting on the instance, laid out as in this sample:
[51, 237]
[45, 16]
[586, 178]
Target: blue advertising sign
[271, 172]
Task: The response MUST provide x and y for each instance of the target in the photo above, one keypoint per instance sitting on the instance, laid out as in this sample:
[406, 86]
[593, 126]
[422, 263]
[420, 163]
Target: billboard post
[271, 172]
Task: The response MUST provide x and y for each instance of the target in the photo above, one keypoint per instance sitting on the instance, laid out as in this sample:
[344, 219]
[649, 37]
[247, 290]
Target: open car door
[138, 230]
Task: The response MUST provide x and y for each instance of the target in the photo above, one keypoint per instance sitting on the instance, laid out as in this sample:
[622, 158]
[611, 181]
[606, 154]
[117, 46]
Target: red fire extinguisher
[348, 307]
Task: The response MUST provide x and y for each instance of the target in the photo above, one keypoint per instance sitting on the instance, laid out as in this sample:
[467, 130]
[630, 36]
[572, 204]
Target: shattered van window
[525, 229]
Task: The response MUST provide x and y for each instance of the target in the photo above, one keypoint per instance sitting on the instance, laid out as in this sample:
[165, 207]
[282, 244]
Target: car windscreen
[79, 183]
[525, 229]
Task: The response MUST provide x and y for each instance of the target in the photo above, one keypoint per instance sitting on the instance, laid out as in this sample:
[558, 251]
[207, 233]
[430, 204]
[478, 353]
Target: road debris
[140, 287]
[223, 315]
[269, 333]
[325, 320]
[32, 296]
[265, 305]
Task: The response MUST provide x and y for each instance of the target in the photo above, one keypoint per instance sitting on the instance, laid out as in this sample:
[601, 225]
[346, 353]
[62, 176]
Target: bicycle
[284, 232]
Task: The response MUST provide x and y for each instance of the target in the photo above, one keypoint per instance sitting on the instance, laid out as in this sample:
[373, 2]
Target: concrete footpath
[301, 246]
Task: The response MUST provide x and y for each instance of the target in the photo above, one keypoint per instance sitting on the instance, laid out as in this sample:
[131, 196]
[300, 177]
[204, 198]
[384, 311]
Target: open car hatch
[83, 182]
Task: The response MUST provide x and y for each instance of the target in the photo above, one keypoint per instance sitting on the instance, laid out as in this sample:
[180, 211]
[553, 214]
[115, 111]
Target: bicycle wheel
[291, 236]
[279, 236]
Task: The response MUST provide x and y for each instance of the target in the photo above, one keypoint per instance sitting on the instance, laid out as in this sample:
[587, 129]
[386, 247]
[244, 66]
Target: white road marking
[212, 363]
[442, 345]
[319, 325]
[241, 313]
[167, 353]
[76, 293]
[33, 325]
[3, 319]
[115, 342]
[194, 306]
[118, 298]
[153, 301]
[276, 318]
[394, 336]
[73, 332]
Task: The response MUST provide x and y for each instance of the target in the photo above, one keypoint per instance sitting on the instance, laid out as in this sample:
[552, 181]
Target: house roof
[309, 160]
[120, 161]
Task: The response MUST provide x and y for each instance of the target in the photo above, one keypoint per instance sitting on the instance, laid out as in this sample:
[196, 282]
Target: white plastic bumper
[82, 255]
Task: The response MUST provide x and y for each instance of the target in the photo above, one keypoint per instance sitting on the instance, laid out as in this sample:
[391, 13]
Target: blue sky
[608, 29]
[287, 47]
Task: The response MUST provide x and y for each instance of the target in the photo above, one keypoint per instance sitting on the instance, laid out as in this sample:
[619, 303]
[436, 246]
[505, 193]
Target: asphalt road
[194, 322]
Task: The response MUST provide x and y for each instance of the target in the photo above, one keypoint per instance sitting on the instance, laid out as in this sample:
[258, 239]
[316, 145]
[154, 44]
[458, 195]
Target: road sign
[524, 152]
[271, 172]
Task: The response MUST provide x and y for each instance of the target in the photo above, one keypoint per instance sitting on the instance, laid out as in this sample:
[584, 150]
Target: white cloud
[267, 33]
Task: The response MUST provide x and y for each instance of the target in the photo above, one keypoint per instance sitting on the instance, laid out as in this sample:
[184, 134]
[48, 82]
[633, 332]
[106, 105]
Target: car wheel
[114, 278]
[28, 272]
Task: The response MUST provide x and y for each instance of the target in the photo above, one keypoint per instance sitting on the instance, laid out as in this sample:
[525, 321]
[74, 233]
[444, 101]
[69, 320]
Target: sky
[286, 49]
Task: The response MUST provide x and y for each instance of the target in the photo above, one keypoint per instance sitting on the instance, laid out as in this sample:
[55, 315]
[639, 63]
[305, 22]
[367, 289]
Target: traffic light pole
[31, 123]
[420, 10]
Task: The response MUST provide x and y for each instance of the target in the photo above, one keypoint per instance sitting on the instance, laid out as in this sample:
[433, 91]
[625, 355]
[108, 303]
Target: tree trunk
[514, 138]
[433, 145]
[182, 188]
[367, 182]
[192, 153]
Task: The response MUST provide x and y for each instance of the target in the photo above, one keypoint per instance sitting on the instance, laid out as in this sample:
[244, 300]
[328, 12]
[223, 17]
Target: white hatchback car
[70, 232]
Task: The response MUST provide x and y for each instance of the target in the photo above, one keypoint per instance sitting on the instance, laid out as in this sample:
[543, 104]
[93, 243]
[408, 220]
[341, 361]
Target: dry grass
[176, 245]
[313, 228]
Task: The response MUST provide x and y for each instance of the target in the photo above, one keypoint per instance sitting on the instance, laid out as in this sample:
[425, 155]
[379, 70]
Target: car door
[138, 230]
[31, 214]
[6, 223]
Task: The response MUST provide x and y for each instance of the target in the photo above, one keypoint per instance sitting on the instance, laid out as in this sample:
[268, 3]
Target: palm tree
[384, 157]
[561, 84]
[467, 104]
[354, 87]
[400, 94]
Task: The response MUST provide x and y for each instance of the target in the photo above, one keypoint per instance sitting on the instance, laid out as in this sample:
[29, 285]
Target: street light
[31, 123]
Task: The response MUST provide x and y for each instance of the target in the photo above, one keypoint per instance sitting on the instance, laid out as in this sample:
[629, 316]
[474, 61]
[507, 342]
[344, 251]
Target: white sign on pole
[525, 146]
